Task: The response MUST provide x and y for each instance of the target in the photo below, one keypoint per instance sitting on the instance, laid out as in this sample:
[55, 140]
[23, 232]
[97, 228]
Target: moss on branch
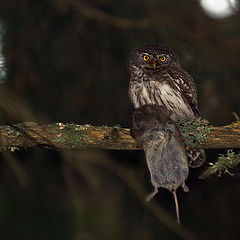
[224, 165]
[196, 134]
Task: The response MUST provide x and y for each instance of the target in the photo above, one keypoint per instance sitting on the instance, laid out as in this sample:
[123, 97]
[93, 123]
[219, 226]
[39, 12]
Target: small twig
[224, 164]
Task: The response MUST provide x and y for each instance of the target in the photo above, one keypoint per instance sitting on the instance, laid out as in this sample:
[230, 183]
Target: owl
[156, 77]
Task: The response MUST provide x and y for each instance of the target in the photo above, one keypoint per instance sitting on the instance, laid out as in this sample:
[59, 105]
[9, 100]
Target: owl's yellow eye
[162, 58]
[146, 58]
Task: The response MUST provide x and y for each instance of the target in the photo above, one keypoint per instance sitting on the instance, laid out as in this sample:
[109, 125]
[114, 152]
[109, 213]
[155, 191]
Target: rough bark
[73, 136]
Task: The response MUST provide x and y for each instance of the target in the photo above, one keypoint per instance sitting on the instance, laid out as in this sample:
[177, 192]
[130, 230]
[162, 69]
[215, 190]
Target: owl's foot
[151, 195]
[196, 157]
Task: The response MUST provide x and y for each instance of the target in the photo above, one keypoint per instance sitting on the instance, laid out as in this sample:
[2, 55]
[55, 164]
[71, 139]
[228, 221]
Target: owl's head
[152, 56]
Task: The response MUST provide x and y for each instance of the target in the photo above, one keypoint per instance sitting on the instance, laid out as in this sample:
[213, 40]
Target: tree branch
[73, 136]
[224, 165]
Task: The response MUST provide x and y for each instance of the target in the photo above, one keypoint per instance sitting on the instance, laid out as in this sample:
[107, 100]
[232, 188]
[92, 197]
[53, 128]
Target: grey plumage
[165, 83]
[164, 149]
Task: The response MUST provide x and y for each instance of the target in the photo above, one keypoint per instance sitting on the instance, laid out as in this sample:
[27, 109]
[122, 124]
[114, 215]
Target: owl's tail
[196, 157]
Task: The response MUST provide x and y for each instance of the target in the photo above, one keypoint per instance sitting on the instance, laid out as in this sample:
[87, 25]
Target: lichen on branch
[196, 134]
[224, 165]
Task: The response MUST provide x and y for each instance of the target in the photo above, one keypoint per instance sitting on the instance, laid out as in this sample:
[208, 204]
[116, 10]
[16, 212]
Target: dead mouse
[164, 149]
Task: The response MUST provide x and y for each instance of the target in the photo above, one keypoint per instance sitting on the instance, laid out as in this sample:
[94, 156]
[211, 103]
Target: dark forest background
[66, 61]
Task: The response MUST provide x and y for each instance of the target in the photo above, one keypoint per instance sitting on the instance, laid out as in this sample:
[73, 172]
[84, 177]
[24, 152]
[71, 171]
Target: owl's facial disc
[154, 61]
[155, 58]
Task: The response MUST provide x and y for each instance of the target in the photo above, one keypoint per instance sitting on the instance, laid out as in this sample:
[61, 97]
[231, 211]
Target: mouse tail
[176, 205]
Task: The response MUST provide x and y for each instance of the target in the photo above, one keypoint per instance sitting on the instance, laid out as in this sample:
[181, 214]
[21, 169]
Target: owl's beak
[154, 64]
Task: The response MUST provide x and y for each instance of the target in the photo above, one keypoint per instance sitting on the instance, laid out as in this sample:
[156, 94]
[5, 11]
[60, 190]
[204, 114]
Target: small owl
[156, 77]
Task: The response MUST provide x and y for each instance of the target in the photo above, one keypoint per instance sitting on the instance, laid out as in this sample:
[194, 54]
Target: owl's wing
[186, 85]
